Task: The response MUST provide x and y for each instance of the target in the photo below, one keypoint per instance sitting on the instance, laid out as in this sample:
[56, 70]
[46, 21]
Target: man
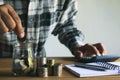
[34, 18]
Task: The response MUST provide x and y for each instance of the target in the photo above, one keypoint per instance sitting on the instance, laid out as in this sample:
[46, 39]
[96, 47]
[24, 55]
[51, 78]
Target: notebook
[112, 68]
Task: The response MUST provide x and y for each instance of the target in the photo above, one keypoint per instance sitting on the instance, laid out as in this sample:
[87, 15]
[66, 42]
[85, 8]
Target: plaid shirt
[38, 17]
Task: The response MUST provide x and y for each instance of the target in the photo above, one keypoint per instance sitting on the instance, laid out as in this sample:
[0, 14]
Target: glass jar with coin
[23, 59]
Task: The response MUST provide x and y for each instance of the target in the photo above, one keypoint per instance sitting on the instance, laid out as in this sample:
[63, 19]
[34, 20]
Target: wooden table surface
[6, 70]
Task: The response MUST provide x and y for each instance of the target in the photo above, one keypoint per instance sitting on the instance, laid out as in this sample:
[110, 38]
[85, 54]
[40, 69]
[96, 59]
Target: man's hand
[10, 21]
[89, 50]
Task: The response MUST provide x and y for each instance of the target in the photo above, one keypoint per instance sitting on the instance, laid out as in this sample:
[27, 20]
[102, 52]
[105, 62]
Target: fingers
[18, 29]
[9, 20]
[100, 48]
[86, 50]
[89, 50]
[3, 29]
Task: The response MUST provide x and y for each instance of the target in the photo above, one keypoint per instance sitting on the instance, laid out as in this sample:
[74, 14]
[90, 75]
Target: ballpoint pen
[91, 67]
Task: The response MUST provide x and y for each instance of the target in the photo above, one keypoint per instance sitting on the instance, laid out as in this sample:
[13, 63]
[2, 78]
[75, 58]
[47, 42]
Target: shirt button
[31, 19]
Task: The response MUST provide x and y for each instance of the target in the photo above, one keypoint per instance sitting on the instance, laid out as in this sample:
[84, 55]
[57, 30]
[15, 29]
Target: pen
[91, 67]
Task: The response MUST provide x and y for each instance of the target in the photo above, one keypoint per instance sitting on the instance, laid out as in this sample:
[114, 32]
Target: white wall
[99, 20]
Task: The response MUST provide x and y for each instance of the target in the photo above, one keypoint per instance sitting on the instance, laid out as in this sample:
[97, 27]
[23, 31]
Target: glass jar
[23, 59]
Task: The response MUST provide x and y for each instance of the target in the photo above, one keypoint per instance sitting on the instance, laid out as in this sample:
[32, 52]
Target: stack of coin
[50, 63]
[48, 67]
[41, 61]
[42, 69]
[57, 70]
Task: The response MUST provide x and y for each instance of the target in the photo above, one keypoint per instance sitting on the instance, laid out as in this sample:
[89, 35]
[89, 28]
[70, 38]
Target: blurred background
[99, 20]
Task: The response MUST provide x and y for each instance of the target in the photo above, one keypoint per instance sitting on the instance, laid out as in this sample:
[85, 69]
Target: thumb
[78, 54]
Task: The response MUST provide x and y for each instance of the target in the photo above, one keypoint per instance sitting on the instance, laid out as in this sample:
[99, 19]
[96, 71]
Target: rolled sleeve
[66, 29]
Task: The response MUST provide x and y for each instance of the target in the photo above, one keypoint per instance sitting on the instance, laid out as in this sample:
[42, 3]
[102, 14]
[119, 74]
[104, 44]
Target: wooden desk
[6, 66]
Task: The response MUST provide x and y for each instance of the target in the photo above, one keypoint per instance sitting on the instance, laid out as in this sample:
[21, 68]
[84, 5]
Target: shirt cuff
[78, 42]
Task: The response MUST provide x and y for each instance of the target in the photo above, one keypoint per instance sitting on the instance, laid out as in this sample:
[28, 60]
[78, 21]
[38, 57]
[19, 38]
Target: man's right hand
[10, 21]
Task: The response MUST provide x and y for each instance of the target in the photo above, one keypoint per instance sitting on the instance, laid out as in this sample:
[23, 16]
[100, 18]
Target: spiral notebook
[109, 68]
